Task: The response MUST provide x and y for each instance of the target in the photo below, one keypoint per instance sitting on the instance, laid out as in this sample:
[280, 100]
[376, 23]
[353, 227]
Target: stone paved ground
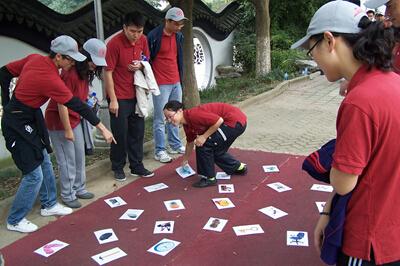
[298, 118]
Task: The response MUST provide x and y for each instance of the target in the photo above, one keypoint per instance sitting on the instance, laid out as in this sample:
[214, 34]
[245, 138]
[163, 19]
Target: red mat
[198, 246]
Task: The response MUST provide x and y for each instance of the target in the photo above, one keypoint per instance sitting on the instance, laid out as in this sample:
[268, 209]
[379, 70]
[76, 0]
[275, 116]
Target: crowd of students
[340, 38]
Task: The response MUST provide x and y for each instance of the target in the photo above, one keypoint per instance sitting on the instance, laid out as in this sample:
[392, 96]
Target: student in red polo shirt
[68, 141]
[212, 127]
[124, 52]
[345, 44]
[25, 132]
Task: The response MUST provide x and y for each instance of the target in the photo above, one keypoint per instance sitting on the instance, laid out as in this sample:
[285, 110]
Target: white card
[115, 202]
[250, 229]
[222, 175]
[155, 187]
[105, 236]
[173, 205]
[51, 248]
[323, 188]
[226, 188]
[131, 214]
[215, 224]
[320, 205]
[273, 212]
[163, 247]
[164, 227]
[223, 203]
[271, 168]
[185, 171]
[278, 186]
[297, 238]
[109, 255]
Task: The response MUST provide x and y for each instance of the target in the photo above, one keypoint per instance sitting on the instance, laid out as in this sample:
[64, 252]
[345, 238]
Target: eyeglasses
[168, 118]
[68, 58]
[178, 24]
[312, 47]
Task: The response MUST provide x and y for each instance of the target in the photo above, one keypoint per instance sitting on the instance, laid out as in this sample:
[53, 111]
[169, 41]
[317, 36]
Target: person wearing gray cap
[24, 128]
[345, 44]
[68, 140]
[166, 58]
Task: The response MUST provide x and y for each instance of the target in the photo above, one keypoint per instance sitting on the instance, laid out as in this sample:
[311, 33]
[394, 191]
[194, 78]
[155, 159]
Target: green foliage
[284, 60]
[65, 6]
[217, 5]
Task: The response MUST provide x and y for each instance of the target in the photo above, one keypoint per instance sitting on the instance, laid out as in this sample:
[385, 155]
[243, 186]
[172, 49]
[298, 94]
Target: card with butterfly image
[164, 227]
[273, 212]
[105, 236]
[215, 224]
[223, 203]
[51, 248]
[115, 202]
[131, 214]
[279, 187]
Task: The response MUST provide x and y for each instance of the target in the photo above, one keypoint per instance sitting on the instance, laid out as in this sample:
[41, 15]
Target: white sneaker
[163, 157]
[57, 209]
[24, 226]
[180, 150]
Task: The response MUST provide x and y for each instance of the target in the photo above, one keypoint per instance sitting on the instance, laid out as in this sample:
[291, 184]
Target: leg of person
[48, 191]
[160, 153]
[80, 176]
[174, 140]
[223, 159]
[23, 202]
[119, 129]
[205, 166]
[65, 156]
[135, 144]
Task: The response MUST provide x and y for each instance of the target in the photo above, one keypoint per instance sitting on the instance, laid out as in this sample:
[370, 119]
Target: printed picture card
[105, 236]
[131, 214]
[164, 227]
[109, 255]
[278, 186]
[320, 205]
[174, 205]
[323, 188]
[297, 238]
[226, 188]
[271, 168]
[215, 224]
[115, 202]
[185, 171]
[273, 212]
[156, 187]
[223, 203]
[250, 229]
[51, 248]
[163, 247]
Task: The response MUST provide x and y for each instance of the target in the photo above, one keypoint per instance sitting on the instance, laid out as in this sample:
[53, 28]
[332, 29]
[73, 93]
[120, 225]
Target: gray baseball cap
[66, 45]
[97, 50]
[375, 3]
[336, 16]
[175, 13]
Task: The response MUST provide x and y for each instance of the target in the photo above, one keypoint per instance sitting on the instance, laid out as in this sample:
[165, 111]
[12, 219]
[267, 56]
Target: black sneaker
[242, 171]
[205, 182]
[143, 173]
[119, 176]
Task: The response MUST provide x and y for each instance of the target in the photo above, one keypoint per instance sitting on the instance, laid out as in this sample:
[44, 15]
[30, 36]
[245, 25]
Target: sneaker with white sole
[24, 226]
[163, 157]
[180, 150]
[57, 209]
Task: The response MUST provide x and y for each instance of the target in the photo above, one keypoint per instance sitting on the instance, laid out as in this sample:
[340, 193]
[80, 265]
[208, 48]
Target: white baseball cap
[375, 3]
[175, 13]
[97, 50]
[336, 16]
[66, 45]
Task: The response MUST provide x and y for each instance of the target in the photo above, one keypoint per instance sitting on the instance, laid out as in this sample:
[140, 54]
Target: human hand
[319, 232]
[69, 134]
[113, 107]
[199, 141]
[108, 136]
[135, 65]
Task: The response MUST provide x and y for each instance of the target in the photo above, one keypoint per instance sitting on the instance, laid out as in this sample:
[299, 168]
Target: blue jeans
[167, 93]
[40, 181]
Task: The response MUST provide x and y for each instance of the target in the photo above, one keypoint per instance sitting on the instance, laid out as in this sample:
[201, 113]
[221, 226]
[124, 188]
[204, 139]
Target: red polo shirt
[121, 53]
[38, 81]
[200, 118]
[368, 130]
[165, 64]
[79, 88]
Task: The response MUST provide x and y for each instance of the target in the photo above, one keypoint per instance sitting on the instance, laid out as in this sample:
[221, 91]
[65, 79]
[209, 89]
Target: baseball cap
[175, 13]
[66, 45]
[375, 3]
[336, 16]
[97, 50]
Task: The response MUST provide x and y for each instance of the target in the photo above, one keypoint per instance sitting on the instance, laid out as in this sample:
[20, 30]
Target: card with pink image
[51, 248]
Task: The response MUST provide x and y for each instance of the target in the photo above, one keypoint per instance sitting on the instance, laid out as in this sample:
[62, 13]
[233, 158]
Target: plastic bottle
[306, 71]
[92, 100]
[286, 76]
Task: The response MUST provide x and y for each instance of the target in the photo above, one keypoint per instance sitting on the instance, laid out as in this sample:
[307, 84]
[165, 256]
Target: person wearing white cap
[345, 44]
[166, 58]
[124, 53]
[68, 141]
[24, 128]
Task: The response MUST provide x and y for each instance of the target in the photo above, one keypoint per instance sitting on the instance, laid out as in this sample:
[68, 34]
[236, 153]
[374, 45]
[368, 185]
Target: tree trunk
[263, 40]
[191, 96]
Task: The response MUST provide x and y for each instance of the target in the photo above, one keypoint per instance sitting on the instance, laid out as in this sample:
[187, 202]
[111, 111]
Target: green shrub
[284, 60]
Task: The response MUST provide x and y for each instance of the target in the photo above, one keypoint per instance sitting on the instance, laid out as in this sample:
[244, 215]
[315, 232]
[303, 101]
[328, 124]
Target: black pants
[128, 131]
[215, 150]
[344, 260]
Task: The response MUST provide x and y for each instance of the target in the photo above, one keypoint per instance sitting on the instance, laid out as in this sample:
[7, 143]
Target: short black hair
[134, 18]
[371, 11]
[173, 106]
